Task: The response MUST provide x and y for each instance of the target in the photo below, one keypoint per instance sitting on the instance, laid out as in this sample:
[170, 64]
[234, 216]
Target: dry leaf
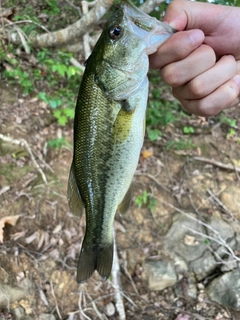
[12, 220]
[147, 153]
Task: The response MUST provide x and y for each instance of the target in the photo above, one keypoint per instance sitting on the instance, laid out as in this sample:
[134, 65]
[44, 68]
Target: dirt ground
[39, 252]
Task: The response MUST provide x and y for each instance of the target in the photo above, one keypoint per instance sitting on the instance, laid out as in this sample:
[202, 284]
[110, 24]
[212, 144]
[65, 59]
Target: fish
[109, 127]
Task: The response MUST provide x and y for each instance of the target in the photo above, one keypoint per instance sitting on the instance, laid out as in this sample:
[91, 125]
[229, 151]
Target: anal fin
[75, 202]
[126, 202]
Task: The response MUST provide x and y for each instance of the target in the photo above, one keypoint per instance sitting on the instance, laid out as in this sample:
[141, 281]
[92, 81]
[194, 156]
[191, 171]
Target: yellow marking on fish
[122, 125]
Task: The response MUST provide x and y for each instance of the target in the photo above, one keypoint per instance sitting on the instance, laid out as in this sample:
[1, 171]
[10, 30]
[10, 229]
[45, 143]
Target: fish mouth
[141, 19]
[152, 31]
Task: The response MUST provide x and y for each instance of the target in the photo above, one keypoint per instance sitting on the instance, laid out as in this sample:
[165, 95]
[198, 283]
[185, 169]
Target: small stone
[225, 290]
[110, 309]
[46, 316]
[159, 274]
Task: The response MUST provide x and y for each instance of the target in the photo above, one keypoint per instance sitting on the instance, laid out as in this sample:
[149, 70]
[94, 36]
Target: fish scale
[109, 128]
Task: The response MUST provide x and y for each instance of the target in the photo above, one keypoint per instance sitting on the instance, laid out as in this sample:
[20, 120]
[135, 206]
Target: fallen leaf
[11, 220]
[147, 154]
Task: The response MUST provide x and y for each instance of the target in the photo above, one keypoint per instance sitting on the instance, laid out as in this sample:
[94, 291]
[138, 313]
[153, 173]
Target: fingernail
[197, 37]
[237, 79]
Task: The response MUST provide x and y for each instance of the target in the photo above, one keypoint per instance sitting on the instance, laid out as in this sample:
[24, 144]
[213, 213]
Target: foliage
[188, 129]
[180, 144]
[57, 143]
[146, 199]
[55, 69]
[160, 111]
[231, 123]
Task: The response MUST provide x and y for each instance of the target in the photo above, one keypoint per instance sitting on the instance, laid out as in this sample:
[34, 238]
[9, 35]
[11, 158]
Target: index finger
[177, 47]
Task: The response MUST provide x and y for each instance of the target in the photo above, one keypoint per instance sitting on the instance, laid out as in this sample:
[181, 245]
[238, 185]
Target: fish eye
[115, 32]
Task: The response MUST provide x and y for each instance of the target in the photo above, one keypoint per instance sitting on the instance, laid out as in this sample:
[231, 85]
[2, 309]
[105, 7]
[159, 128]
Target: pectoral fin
[125, 204]
[75, 202]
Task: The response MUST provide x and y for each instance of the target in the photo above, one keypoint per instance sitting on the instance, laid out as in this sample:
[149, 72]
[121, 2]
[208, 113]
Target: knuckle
[171, 75]
[208, 52]
[197, 88]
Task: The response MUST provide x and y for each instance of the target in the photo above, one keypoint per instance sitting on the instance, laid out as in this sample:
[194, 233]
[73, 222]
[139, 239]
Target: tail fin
[90, 260]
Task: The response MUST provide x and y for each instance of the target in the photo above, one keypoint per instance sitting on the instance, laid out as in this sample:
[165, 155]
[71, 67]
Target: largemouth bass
[109, 128]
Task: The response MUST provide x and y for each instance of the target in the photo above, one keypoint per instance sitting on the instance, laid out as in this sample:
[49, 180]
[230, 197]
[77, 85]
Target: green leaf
[188, 130]
[43, 96]
[53, 104]
[61, 68]
[153, 134]
[54, 67]
[57, 113]
[62, 120]
[69, 112]
[71, 71]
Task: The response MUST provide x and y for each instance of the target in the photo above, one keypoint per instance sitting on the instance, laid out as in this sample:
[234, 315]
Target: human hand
[188, 59]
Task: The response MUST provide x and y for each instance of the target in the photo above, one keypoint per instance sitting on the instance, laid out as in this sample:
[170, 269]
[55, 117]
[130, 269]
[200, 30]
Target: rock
[186, 287]
[225, 290]
[203, 266]
[159, 274]
[27, 285]
[10, 294]
[110, 309]
[230, 197]
[221, 228]
[182, 241]
[46, 316]
[177, 240]
[229, 264]
[19, 314]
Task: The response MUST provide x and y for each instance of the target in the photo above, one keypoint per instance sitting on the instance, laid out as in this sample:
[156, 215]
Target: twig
[117, 282]
[220, 203]
[55, 300]
[99, 314]
[226, 155]
[21, 35]
[10, 23]
[217, 164]
[74, 7]
[80, 303]
[23, 142]
[75, 63]
[219, 239]
[130, 279]
[44, 162]
[154, 179]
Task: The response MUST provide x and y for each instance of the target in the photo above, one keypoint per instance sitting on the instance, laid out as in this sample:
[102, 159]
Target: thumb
[176, 15]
